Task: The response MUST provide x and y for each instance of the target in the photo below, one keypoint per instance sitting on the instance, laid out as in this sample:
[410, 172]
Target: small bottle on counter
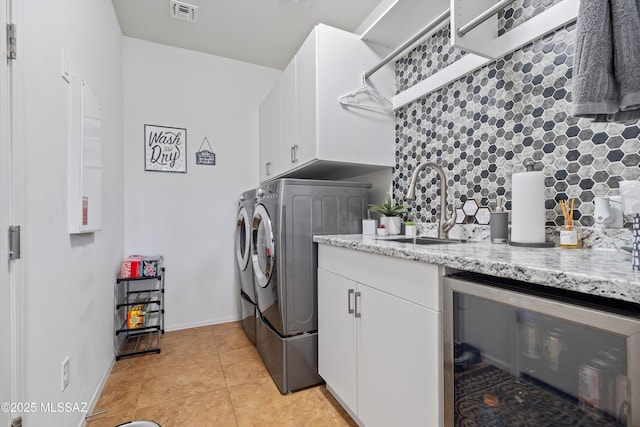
[499, 223]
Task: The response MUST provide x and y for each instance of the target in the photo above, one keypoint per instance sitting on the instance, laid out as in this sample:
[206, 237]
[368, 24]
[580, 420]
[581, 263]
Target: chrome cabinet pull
[293, 154]
[350, 309]
[357, 313]
[268, 168]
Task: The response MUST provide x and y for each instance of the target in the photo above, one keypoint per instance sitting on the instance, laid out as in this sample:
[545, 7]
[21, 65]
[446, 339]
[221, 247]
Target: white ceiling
[262, 32]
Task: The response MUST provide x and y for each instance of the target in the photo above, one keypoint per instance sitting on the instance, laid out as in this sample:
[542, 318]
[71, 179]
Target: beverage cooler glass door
[517, 357]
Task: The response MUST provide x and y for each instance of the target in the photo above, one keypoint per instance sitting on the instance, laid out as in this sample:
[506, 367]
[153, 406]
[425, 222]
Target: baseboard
[96, 395]
[179, 327]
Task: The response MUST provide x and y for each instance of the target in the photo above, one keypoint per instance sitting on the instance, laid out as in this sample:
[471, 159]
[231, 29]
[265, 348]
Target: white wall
[380, 185]
[69, 280]
[189, 218]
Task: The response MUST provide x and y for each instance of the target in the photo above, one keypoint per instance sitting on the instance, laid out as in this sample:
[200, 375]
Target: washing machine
[244, 264]
[288, 213]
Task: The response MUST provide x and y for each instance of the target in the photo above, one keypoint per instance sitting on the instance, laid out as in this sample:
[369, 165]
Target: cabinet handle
[268, 168]
[350, 309]
[356, 304]
[293, 154]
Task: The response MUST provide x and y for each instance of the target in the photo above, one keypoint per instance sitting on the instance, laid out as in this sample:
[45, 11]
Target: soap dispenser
[499, 223]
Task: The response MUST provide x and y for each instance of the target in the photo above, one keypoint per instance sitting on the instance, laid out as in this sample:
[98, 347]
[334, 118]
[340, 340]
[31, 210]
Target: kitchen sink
[424, 240]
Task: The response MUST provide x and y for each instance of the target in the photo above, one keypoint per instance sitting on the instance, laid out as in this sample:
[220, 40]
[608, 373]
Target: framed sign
[204, 156]
[165, 149]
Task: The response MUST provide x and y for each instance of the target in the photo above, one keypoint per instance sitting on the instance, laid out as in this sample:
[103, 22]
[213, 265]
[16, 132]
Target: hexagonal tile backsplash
[483, 126]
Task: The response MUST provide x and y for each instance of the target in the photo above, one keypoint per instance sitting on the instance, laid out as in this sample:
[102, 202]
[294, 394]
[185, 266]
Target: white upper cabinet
[288, 116]
[270, 134]
[306, 100]
[315, 130]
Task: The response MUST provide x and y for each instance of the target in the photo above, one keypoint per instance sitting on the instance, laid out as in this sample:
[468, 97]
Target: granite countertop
[602, 272]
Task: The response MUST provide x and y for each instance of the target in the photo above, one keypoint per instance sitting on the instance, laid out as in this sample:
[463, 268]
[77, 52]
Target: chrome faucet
[445, 224]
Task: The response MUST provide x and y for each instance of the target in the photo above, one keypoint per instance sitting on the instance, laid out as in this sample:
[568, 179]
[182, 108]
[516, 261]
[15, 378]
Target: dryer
[244, 264]
[288, 213]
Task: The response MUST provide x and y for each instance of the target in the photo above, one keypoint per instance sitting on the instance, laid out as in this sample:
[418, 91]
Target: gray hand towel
[606, 78]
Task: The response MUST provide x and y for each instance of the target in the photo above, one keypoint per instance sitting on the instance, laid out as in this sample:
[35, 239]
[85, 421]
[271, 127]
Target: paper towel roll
[527, 207]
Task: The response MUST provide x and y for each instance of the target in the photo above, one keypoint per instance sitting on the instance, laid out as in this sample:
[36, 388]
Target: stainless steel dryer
[245, 266]
[288, 213]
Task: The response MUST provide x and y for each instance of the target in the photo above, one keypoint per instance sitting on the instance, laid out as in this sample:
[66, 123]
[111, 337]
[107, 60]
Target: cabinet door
[337, 336]
[398, 361]
[354, 135]
[288, 116]
[270, 135]
[306, 93]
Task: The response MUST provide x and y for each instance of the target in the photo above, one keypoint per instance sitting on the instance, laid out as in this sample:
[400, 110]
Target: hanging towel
[606, 71]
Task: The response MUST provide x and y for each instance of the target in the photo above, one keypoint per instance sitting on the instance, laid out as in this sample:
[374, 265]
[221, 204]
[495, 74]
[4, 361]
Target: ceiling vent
[301, 2]
[184, 11]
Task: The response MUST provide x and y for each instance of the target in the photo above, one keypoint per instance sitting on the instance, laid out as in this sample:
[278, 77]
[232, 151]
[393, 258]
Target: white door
[397, 347]
[306, 98]
[5, 213]
[12, 337]
[288, 120]
[337, 335]
[270, 135]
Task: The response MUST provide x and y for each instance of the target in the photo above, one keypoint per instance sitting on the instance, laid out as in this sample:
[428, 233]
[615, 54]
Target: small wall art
[165, 149]
[205, 156]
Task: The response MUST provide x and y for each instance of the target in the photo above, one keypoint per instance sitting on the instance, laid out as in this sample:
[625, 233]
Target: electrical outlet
[65, 373]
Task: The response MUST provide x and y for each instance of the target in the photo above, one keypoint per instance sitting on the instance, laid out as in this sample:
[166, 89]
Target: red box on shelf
[130, 268]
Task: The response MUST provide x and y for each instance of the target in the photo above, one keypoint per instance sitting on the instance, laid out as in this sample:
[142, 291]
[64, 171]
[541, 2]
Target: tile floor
[209, 376]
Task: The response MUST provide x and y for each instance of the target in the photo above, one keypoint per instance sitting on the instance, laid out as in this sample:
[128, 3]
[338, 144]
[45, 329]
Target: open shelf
[136, 344]
[131, 292]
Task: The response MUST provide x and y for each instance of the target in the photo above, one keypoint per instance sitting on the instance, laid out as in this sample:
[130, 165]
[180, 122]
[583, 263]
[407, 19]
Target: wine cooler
[518, 354]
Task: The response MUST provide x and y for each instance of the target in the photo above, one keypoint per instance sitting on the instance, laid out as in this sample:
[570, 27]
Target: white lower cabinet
[379, 348]
[337, 345]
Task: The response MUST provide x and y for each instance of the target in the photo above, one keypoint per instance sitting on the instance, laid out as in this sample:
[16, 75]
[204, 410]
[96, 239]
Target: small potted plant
[410, 228]
[390, 214]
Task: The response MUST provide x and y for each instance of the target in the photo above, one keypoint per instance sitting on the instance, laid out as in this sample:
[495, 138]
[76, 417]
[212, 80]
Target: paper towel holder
[529, 165]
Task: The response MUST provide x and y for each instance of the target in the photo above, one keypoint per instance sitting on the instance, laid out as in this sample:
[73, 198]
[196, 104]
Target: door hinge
[14, 242]
[12, 45]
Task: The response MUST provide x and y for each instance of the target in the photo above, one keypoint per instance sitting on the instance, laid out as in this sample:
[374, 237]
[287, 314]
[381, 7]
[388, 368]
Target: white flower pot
[392, 223]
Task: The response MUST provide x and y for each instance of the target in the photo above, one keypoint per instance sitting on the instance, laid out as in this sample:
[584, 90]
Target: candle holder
[569, 237]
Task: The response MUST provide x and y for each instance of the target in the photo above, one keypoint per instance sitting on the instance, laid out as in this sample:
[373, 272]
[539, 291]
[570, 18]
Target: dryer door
[243, 239]
[263, 250]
